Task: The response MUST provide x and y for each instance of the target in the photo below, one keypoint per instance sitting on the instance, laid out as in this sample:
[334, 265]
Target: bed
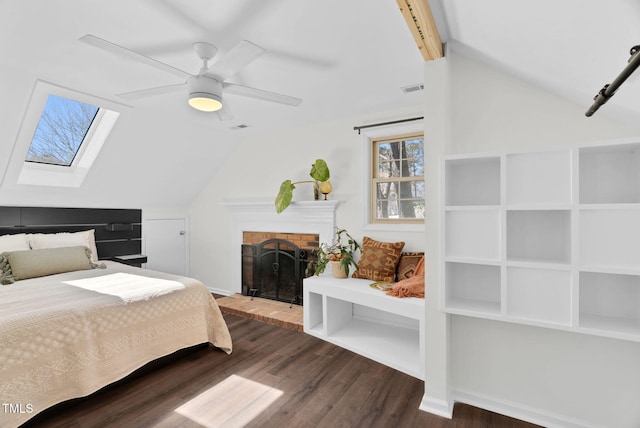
[66, 335]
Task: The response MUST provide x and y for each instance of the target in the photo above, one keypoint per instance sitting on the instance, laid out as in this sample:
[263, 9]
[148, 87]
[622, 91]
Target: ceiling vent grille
[412, 88]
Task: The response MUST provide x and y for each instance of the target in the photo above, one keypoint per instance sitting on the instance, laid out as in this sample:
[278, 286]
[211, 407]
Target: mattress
[67, 335]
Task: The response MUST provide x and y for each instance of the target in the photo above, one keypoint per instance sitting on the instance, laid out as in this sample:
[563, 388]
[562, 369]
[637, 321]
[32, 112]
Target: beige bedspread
[66, 336]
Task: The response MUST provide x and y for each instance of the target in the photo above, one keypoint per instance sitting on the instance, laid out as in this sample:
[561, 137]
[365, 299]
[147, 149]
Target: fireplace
[274, 264]
[302, 217]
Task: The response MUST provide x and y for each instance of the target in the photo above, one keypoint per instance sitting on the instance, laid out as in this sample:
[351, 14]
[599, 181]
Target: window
[397, 185]
[62, 128]
[60, 137]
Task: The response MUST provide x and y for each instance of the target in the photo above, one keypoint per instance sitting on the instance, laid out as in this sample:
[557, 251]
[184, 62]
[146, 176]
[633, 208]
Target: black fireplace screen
[274, 269]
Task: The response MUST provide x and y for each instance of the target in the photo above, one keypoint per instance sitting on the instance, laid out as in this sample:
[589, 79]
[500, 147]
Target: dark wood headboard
[118, 231]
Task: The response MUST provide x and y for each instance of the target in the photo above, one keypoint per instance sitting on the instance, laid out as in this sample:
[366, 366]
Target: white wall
[571, 377]
[256, 169]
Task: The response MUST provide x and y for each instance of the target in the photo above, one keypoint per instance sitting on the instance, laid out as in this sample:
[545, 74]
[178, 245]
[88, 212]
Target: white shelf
[622, 328]
[610, 301]
[556, 244]
[351, 314]
[542, 236]
[539, 294]
[472, 287]
[472, 306]
[473, 234]
[473, 181]
[528, 185]
[610, 174]
[610, 238]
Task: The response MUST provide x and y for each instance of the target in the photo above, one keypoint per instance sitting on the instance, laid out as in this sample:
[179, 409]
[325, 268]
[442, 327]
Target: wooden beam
[423, 27]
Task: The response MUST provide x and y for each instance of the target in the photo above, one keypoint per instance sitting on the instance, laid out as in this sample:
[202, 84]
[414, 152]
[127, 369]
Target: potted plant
[319, 173]
[340, 254]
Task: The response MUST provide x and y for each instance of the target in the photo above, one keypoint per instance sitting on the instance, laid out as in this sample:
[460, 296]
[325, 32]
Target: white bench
[351, 314]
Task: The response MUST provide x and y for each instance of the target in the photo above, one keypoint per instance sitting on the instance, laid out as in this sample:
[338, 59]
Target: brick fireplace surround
[299, 220]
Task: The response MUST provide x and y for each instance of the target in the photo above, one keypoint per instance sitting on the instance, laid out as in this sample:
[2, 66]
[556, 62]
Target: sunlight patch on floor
[232, 403]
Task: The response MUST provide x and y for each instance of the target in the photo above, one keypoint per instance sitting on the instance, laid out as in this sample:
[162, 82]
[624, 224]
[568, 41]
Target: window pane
[61, 130]
[401, 160]
[384, 169]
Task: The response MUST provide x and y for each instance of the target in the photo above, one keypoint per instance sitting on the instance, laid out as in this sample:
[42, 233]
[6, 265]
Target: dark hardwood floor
[275, 378]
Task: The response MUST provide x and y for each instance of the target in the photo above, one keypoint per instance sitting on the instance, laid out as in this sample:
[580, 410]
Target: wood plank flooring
[275, 377]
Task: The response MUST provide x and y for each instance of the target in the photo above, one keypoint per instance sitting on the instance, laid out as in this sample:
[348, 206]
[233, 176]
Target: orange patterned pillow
[378, 260]
[407, 264]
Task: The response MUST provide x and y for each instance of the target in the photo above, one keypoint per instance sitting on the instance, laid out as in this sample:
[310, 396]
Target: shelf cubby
[610, 302]
[539, 236]
[351, 314]
[473, 287]
[473, 234]
[610, 174]
[526, 185]
[473, 181]
[609, 238]
[542, 295]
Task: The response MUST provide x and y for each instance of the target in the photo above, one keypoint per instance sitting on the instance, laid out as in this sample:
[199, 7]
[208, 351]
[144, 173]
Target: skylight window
[63, 126]
[60, 137]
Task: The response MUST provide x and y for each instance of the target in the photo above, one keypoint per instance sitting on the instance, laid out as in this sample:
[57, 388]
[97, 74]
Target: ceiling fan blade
[159, 90]
[233, 88]
[234, 60]
[224, 114]
[112, 47]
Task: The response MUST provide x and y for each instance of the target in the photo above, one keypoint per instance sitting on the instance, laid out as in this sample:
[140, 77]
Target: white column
[437, 136]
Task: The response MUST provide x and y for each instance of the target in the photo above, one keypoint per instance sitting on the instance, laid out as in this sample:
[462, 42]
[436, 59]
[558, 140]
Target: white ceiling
[569, 47]
[343, 58]
[323, 52]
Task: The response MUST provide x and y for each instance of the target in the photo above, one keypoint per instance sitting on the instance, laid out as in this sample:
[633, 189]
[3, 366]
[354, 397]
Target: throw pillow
[407, 264]
[378, 260]
[86, 238]
[49, 261]
[6, 276]
[17, 242]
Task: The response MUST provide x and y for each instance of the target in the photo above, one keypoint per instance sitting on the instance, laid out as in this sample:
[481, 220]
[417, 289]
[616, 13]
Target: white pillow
[16, 242]
[86, 238]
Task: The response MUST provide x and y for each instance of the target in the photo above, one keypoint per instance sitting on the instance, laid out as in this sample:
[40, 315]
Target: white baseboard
[437, 406]
[518, 411]
[220, 291]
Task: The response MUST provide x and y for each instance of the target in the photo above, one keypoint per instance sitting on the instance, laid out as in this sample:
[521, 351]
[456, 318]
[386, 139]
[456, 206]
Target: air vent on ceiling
[242, 126]
[412, 88]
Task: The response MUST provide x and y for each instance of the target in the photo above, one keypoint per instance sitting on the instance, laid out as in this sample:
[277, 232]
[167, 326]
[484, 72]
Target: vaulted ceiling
[343, 58]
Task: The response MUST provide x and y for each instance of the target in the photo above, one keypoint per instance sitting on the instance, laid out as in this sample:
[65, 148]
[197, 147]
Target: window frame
[368, 138]
[20, 172]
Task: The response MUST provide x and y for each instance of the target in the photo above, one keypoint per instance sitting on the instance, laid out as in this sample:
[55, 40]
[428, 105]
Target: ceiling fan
[206, 88]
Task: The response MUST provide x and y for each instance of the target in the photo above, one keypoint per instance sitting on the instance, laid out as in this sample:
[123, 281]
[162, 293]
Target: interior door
[166, 245]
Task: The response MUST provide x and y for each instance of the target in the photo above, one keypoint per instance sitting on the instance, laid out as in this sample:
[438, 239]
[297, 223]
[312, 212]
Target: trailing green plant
[319, 172]
[342, 249]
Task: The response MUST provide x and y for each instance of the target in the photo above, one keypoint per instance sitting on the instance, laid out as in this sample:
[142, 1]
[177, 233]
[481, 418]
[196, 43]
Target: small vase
[337, 270]
[316, 191]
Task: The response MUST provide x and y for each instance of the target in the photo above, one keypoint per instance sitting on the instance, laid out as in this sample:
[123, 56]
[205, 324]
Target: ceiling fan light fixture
[205, 93]
[204, 101]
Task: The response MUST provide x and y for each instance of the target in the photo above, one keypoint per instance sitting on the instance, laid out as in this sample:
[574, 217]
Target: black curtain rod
[610, 89]
[358, 128]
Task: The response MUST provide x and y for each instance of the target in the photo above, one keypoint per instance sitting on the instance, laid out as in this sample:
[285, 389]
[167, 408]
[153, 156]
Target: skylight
[60, 137]
[63, 127]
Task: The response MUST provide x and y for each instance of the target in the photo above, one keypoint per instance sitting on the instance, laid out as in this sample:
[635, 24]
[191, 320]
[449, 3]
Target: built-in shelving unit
[351, 314]
[547, 238]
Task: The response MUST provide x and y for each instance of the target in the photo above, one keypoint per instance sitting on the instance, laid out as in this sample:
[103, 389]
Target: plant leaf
[284, 196]
[320, 170]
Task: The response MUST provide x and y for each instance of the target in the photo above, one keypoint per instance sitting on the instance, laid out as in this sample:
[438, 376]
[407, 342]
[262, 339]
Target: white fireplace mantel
[260, 216]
